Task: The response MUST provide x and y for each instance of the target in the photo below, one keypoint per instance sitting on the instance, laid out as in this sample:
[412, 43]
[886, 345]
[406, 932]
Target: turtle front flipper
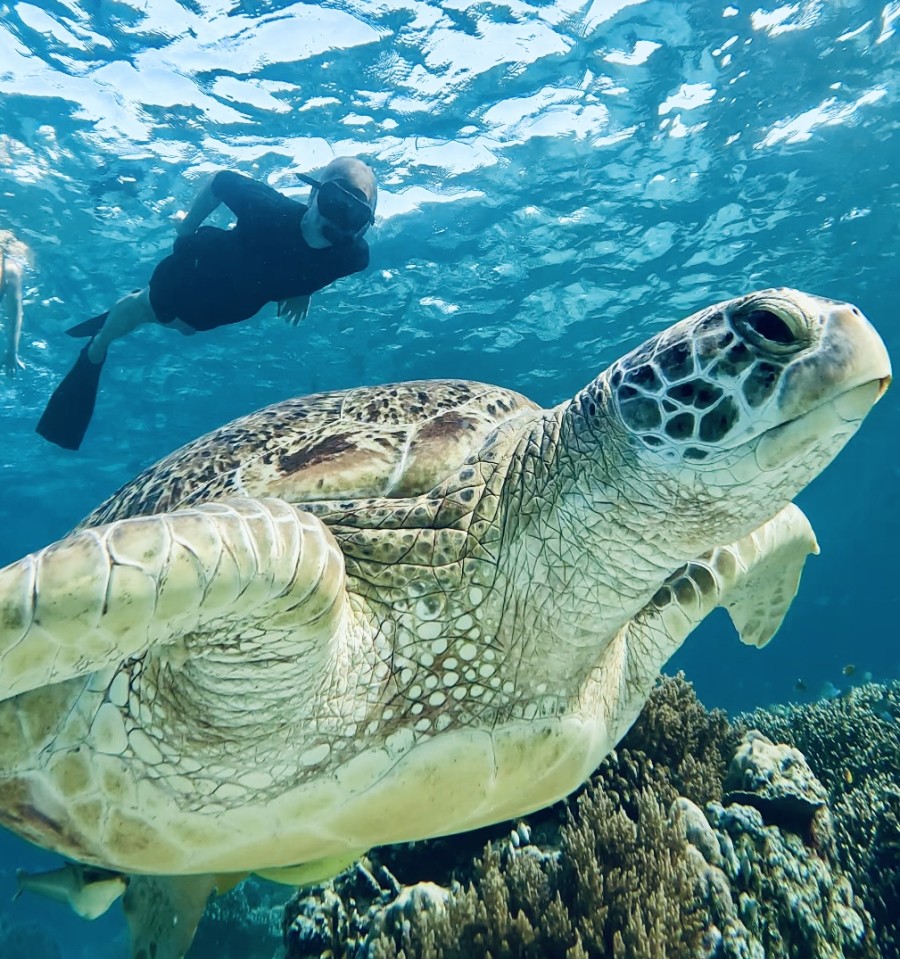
[769, 563]
[104, 595]
[755, 579]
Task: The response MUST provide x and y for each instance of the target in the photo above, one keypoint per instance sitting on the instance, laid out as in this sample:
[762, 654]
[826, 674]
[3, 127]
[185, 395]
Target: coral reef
[777, 780]
[653, 858]
[853, 744]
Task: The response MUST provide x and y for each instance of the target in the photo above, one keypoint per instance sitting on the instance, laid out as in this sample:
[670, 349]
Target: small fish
[88, 890]
[800, 686]
[829, 691]
[884, 710]
[849, 669]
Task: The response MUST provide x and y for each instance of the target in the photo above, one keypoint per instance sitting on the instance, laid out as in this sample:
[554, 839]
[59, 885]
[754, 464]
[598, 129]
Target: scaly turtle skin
[404, 611]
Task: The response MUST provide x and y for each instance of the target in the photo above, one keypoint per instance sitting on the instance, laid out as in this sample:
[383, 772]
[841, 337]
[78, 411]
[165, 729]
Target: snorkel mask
[348, 215]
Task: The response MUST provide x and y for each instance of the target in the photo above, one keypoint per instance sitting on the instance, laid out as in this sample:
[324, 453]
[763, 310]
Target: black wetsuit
[215, 277]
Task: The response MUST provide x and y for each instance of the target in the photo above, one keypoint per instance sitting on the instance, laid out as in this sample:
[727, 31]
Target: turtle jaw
[824, 396]
[835, 420]
[848, 353]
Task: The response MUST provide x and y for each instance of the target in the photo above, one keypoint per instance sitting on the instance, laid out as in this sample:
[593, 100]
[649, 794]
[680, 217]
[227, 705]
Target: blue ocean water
[558, 180]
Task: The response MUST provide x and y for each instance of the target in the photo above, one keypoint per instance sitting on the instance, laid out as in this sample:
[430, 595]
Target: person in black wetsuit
[279, 250]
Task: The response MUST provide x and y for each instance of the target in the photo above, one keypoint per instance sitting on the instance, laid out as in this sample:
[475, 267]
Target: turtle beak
[850, 359]
[858, 351]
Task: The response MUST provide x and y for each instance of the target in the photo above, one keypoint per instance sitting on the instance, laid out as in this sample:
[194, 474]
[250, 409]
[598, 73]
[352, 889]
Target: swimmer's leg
[69, 411]
[128, 314]
[12, 281]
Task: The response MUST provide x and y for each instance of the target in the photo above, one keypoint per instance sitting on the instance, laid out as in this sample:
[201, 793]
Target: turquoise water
[558, 181]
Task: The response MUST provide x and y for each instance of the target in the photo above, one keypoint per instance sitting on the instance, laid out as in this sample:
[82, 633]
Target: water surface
[558, 181]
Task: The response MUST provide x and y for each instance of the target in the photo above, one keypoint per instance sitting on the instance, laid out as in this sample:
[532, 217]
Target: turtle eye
[775, 332]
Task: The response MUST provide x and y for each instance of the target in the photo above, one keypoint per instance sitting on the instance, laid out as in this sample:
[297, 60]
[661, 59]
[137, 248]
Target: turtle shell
[396, 440]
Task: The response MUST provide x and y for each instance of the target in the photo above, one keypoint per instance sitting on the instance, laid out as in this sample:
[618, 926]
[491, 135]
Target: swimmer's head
[354, 175]
[344, 198]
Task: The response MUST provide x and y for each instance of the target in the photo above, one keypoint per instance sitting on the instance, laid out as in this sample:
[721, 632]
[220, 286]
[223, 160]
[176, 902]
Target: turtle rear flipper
[309, 873]
[104, 595]
[163, 913]
[89, 890]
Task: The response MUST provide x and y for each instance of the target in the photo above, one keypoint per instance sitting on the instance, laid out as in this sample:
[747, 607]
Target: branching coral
[674, 732]
[632, 868]
[624, 890]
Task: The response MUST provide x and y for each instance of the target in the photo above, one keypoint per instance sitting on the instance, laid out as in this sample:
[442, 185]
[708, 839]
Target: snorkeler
[279, 250]
[13, 258]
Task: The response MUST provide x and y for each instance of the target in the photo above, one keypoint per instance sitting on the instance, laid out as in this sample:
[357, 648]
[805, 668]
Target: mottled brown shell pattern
[395, 441]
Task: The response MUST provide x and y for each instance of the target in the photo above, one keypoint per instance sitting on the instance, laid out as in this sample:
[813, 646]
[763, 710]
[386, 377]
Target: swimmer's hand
[204, 203]
[294, 309]
[11, 363]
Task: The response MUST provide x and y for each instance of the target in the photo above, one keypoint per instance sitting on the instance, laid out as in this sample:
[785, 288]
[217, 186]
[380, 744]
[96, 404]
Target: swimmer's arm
[204, 203]
[11, 361]
[294, 309]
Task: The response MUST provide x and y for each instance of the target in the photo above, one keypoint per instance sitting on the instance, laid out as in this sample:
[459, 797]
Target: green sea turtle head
[745, 402]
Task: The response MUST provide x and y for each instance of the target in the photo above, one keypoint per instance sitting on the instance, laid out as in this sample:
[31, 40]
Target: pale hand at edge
[294, 309]
[12, 364]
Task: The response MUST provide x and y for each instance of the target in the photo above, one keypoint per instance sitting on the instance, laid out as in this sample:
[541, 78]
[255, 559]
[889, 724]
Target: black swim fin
[69, 412]
[89, 327]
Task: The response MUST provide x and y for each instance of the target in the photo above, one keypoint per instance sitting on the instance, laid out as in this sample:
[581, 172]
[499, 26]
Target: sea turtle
[402, 611]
